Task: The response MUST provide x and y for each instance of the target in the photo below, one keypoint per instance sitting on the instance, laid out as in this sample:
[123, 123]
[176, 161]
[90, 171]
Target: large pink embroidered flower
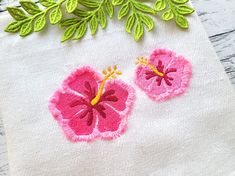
[89, 107]
[164, 75]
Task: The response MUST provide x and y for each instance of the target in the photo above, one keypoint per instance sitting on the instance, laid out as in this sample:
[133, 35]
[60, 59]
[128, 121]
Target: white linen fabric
[193, 134]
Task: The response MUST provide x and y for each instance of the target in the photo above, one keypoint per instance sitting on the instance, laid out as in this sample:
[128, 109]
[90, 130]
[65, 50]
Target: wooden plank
[217, 16]
[224, 45]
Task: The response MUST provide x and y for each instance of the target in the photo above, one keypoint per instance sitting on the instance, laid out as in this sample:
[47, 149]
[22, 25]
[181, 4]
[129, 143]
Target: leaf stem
[172, 7]
[59, 3]
[134, 11]
[94, 12]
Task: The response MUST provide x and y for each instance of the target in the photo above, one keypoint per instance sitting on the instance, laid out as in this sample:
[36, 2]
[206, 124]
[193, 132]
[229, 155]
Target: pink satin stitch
[89, 107]
[164, 76]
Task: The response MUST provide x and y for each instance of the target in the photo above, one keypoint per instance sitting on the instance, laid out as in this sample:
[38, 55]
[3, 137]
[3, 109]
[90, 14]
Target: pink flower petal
[78, 81]
[116, 95]
[181, 77]
[177, 71]
[163, 55]
[110, 122]
[81, 127]
[113, 125]
[143, 83]
[65, 104]
[114, 122]
[83, 123]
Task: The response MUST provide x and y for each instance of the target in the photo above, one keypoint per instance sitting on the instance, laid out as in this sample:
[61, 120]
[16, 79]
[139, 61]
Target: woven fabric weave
[193, 134]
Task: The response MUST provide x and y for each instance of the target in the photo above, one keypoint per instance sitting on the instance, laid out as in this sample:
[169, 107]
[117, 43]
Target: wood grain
[224, 45]
[217, 17]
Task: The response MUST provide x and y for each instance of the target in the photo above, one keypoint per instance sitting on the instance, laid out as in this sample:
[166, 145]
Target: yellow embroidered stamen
[108, 75]
[144, 61]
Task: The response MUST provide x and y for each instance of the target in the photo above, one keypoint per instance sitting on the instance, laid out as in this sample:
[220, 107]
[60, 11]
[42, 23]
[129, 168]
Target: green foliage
[26, 28]
[137, 16]
[93, 25]
[176, 9]
[160, 5]
[124, 10]
[16, 13]
[36, 20]
[13, 27]
[92, 14]
[130, 23]
[102, 17]
[55, 15]
[168, 15]
[39, 23]
[30, 7]
[47, 3]
[71, 5]
[109, 8]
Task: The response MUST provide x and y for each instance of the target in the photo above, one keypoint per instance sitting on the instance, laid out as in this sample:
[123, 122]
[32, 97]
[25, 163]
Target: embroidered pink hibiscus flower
[164, 75]
[89, 107]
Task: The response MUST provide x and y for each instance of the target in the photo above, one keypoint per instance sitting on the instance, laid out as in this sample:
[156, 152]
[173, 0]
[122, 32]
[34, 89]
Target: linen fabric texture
[192, 134]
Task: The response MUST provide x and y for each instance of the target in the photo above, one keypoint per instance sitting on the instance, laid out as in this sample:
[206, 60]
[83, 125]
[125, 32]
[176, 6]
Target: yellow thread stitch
[144, 61]
[109, 74]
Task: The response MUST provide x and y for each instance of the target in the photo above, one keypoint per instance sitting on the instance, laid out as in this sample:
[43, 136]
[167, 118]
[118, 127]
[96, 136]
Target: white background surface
[218, 19]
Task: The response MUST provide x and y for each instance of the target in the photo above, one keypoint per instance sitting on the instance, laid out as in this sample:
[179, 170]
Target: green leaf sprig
[93, 13]
[36, 18]
[137, 16]
[176, 9]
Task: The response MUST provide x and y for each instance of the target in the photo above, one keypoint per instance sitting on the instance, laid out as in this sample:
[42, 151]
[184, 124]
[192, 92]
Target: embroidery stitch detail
[92, 13]
[175, 9]
[145, 62]
[164, 75]
[88, 107]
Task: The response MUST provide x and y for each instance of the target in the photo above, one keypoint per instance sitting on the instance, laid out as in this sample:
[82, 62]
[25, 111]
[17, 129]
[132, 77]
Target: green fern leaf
[175, 9]
[130, 23]
[26, 28]
[93, 25]
[39, 23]
[30, 7]
[16, 13]
[102, 17]
[71, 5]
[81, 30]
[124, 10]
[139, 31]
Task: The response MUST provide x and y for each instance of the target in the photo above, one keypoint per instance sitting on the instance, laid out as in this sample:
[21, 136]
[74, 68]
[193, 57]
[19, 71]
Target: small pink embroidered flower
[164, 75]
[88, 107]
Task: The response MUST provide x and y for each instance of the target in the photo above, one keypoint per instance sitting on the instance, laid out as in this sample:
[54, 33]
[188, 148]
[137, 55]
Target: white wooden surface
[218, 18]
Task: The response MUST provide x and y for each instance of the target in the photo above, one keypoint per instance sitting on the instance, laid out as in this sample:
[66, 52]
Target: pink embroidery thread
[164, 76]
[88, 107]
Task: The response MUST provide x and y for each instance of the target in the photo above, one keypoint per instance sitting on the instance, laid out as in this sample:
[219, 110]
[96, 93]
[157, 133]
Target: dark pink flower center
[160, 67]
[88, 111]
